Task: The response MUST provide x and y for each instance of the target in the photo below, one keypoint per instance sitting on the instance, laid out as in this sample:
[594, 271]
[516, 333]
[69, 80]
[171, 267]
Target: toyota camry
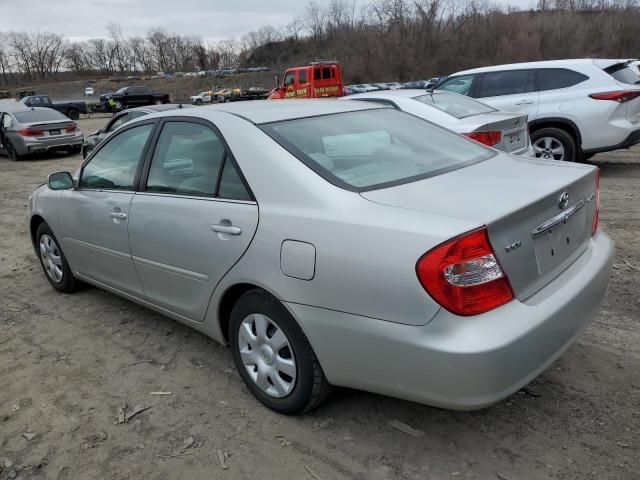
[336, 243]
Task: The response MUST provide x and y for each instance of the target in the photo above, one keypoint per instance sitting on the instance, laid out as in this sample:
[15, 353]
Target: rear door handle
[119, 215]
[230, 229]
[525, 102]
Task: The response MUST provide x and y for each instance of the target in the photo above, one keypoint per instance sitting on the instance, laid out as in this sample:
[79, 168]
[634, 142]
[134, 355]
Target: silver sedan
[483, 123]
[336, 243]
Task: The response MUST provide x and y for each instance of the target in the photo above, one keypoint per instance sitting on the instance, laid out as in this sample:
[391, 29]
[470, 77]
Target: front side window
[461, 84]
[553, 78]
[114, 166]
[371, 149]
[302, 76]
[508, 82]
[456, 105]
[289, 78]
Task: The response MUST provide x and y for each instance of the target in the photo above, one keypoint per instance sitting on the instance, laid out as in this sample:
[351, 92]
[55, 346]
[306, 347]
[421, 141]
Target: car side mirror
[60, 181]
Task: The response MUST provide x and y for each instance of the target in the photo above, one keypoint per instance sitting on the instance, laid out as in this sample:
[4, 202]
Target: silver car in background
[28, 130]
[502, 130]
[119, 119]
[336, 243]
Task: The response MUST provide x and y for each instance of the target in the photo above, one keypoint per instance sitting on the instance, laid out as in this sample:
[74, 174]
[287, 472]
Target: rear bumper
[27, 145]
[456, 362]
[632, 139]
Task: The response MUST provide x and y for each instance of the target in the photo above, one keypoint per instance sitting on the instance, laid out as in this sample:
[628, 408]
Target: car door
[509, 90]
[194, 219]
[94, 216]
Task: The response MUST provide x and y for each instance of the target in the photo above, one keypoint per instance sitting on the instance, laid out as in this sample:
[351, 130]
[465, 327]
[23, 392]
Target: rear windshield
[622, 73]
[44, 115]
[458, 106]
[372, 149]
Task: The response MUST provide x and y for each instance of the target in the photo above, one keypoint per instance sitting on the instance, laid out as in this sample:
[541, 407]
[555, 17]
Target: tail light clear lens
[487, 138]
[619, 96]
[464, 276]
[71, 127]
[596, 213]
[30, 132]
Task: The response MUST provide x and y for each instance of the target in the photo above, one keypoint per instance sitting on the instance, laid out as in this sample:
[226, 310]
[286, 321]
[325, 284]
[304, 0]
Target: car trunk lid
[514, 130]
[51, 128]
[519, 200]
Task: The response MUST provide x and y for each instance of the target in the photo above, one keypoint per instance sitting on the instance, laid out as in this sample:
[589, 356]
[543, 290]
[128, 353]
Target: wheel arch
[558, 122]
[228, 300]
[34, 223]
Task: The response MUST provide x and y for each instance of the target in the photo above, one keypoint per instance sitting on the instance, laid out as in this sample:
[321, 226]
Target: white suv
[576, 108]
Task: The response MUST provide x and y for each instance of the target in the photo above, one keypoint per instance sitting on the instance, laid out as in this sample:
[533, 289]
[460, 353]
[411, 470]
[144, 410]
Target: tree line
[374, 40]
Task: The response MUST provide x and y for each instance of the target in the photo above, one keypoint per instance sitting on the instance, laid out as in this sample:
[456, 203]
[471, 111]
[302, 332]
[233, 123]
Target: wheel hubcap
[267, 355]
[51, 259]
[548, 148]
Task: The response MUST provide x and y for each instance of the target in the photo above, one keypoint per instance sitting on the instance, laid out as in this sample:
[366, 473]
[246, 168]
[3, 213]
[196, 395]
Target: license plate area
[514, 141]
[54, 132]
[559, 242]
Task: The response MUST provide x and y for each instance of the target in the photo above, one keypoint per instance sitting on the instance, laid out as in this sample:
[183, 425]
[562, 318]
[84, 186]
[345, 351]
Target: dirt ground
[68, 363]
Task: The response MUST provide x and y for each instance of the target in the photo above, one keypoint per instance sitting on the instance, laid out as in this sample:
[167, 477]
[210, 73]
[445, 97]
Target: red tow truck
[319, 79]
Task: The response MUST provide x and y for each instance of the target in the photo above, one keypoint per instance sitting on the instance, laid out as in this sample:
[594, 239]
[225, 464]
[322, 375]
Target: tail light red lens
[619, 96]
[596, 213]
[464, 276]
[71, 128]
[487, 138]
[30, 132]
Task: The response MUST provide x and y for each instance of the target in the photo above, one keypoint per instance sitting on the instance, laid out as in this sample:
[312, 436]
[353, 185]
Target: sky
[210, 19]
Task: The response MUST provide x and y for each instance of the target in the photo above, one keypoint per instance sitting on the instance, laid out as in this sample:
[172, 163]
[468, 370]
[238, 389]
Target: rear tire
[306, 387]
[11, 151]
[553, 143]
[54, 263]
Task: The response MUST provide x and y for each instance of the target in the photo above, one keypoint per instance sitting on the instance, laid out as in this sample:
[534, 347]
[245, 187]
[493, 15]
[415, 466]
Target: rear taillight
[487, 138]
[71, 128]
[464, 276]
[596, 212]
[30, 132]
[619, 96]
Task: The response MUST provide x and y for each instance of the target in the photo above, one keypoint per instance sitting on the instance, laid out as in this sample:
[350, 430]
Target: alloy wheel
[548, 148]
[51, 258]
[267, 355]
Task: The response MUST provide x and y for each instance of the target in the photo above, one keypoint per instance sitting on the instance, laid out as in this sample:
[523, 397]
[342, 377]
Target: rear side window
[370, 149]
[508, 82]
[455, 105]
[326, 73]
[622, 73]
[553, 78]
[317, 73]
[461, 84]
[44, 115]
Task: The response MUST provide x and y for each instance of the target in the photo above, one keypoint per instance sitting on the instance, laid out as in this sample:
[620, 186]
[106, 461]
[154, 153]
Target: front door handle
[525, 102]
[229, 229]
[118, 215]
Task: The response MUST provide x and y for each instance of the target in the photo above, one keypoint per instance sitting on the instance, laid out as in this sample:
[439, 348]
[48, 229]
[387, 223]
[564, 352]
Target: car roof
[600, 62]
[402, 92]
[267, 111]
[160, 108]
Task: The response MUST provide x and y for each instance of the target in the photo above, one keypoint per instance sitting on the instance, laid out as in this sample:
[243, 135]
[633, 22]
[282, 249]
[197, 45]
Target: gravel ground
[68, 363]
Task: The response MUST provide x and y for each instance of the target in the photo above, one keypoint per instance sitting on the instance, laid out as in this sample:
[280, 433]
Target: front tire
[553, 143]
[274, 357]
[54, 263]
[73, 114]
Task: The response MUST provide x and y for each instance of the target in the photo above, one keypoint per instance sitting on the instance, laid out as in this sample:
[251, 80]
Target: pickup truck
[70, 109]
[136, 96]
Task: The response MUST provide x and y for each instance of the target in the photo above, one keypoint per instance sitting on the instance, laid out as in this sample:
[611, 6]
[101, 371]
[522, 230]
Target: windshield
[44, 115]
[460, 84]
[458, 106]
[122, 90]
[371, 149]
